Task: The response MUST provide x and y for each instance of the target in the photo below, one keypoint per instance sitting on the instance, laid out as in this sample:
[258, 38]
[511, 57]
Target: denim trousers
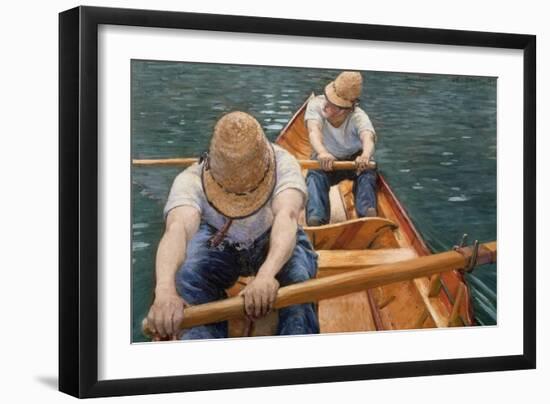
[208, 271]
[318, 187]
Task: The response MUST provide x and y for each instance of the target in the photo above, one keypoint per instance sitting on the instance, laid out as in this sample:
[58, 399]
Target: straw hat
[240, 173]
[345, 90]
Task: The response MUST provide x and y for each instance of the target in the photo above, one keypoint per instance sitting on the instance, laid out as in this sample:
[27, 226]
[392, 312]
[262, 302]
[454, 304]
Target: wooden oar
[342, 284]
[187, 161]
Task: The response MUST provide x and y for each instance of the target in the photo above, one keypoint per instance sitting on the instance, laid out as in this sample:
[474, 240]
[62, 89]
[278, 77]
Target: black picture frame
[78, 200]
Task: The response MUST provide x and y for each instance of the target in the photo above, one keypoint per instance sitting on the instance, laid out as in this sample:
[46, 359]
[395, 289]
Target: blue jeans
[208, 271]
[318, 187]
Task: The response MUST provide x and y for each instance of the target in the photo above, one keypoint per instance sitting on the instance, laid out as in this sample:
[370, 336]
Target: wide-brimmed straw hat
[345, 90]
[239, 174]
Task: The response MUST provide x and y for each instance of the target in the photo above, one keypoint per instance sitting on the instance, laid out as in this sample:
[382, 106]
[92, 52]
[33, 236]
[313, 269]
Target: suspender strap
[217, 238]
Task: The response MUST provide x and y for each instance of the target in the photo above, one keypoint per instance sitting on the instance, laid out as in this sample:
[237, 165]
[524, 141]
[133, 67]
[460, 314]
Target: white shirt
[187, 191]
[344, 140]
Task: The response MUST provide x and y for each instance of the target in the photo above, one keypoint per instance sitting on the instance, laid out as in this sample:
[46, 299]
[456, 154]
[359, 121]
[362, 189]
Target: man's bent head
[239, 174]
[344, 92]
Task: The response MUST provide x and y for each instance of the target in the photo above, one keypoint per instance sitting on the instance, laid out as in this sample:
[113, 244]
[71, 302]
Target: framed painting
[281, 201]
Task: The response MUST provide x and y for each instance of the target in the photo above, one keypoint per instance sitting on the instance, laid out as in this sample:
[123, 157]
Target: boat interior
[349, 243]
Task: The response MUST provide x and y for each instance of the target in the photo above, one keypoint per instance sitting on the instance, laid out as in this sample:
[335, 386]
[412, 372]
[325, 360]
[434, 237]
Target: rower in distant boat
[340, 130]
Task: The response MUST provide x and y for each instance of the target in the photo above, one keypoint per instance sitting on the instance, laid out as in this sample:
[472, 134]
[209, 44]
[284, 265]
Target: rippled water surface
[436, 148]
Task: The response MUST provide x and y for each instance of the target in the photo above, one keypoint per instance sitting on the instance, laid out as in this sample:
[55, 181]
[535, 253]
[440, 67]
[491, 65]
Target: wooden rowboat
[349, 242]
[367, 266]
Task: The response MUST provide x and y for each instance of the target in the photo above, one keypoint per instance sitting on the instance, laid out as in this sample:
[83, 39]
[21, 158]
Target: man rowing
[340, 130]
[234, 214]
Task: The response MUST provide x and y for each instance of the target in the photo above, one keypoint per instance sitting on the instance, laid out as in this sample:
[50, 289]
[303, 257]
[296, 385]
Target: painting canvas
[434, 169]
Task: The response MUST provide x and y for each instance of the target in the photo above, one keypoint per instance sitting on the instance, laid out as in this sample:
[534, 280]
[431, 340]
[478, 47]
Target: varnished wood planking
[439, 312]
[404, 309]
[346, 190]
[342, 260]
[349, 313]
[361, 232]
[337, 208]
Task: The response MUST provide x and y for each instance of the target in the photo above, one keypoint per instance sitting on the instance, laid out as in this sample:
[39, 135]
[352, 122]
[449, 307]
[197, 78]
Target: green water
[437, 148]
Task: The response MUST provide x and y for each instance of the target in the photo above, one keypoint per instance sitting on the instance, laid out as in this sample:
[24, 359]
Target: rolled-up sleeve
[289, 173]
[314, 110]
[362, 122]
[186, 191]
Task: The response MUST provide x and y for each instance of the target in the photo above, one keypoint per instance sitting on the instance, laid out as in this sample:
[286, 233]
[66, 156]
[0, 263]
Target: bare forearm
[181, 224]
[368, 144]
[316, 138]
[166, 312]
[282, 243]
[170, 256]
[260, 294]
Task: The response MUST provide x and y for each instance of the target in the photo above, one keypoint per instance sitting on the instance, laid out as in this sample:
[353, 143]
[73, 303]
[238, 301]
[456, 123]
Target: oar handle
[172, 162]
[185, 162]
[336, 165]
[342, 284]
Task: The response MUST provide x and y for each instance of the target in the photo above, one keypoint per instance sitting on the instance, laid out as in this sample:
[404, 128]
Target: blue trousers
[318, 187]
[208, 271]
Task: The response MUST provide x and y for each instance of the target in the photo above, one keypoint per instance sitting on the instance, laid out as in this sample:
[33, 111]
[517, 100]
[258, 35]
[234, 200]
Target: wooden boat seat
[354, 234]
[332, 262]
